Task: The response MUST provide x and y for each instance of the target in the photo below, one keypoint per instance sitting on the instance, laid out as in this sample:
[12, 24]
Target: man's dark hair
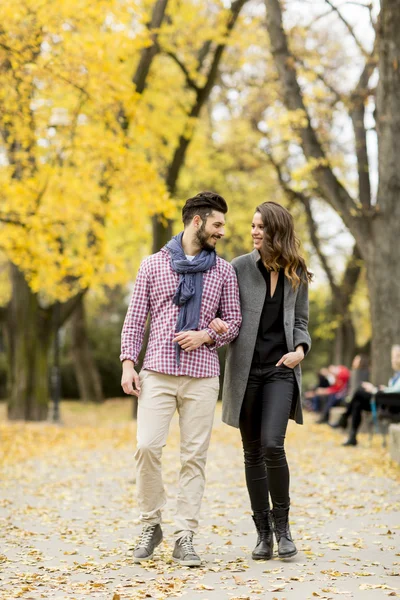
[203, 204]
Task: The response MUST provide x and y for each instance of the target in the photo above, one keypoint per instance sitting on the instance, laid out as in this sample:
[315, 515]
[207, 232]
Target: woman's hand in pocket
[291, 359]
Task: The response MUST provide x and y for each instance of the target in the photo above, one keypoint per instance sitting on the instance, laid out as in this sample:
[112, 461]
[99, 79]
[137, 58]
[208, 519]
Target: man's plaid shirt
[154, 290]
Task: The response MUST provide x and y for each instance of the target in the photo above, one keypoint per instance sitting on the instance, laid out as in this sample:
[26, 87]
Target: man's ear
[197, 221]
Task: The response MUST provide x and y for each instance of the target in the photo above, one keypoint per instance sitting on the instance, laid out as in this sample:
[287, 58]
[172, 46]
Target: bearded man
[184, 287]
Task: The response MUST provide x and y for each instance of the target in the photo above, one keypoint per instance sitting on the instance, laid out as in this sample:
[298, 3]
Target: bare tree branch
[189, 81]
[11, 221]
[338, 96]
[318, 18]
[331, 187]
[357, 114]
[348, 27]
[203, 53]
[305, 200]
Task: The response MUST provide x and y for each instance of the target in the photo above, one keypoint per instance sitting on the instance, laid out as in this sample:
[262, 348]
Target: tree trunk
[345, 343]
[87, 374]
[384, 248]
[162, 232]
[344, 347]
[148, 54]
[384, 291]
[29, 338]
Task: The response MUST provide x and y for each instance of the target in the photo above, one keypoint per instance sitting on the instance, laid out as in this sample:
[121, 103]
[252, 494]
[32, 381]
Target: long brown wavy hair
[280, 249]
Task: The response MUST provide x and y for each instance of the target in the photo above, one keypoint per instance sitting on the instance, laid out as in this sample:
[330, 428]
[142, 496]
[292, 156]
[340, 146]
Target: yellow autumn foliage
[73, 183]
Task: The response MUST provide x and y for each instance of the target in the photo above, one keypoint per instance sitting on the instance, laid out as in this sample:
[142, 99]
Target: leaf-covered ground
[68, 516]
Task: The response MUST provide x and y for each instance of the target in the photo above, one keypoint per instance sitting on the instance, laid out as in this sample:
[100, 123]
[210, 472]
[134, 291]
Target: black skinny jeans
[263, 422]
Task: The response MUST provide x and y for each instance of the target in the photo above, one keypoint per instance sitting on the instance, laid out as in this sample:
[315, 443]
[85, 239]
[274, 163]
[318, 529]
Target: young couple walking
[197, 303]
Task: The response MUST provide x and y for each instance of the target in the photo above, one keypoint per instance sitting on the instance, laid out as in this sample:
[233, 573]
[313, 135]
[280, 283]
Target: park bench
[385, 409]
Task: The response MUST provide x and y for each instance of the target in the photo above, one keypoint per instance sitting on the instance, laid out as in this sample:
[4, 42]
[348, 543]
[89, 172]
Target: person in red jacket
[335, 392]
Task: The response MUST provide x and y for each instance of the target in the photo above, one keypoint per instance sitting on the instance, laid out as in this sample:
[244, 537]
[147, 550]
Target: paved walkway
[68, 519]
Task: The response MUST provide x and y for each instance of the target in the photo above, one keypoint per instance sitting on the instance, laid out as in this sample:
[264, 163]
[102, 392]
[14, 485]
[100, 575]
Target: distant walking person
[183, 287]
[262, 376]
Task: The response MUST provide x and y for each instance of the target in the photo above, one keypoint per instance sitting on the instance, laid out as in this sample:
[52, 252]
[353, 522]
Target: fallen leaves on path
[69, 518]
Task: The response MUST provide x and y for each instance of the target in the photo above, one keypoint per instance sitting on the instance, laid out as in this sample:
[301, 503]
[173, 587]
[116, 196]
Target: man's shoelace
[145, 537]
[187, 544]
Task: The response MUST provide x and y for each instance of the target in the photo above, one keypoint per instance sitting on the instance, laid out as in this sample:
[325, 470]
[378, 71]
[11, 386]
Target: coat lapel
[287, 290]
[258, 294]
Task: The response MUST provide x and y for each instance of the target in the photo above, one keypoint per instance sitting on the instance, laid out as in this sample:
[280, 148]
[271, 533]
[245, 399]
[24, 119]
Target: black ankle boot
[286, 547]
[265, 540]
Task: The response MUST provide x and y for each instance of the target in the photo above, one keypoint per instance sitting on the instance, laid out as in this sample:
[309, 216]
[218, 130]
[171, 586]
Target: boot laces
[282, 525]
[187, 543]
[146, 536]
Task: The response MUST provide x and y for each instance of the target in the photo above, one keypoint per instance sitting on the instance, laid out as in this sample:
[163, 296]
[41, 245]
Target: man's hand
[190, 340]
[291, 359]
[130, 379]
[219, 326]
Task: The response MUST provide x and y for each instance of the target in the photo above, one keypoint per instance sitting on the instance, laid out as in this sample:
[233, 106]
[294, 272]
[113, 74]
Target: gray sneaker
[149, 539]
[184, 552]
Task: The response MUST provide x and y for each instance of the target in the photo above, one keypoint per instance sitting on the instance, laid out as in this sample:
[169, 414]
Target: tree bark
[357, 114]
[87, 374]
[384, 247]
[140, 77]
[29, 334]
[162, 232]
[345, 335]
[344, 348]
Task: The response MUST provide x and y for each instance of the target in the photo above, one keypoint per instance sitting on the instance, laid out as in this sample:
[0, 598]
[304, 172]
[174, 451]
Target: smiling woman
[262, 377]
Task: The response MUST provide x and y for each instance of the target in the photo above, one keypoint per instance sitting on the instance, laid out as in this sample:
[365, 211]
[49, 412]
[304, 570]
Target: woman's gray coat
[240, 352]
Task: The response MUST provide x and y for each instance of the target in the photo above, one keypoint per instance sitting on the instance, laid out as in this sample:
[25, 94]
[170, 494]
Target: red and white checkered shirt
[154, 290]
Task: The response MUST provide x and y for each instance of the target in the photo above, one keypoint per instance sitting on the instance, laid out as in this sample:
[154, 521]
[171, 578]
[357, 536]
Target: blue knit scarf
[189, 292]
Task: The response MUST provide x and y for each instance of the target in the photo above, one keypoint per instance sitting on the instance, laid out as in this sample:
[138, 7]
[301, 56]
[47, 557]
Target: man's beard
[203, 238]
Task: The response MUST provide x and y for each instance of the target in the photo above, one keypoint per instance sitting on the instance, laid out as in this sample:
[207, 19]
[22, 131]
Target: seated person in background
[359, 374]
[335, 392]
[324, 380]
[361, 399]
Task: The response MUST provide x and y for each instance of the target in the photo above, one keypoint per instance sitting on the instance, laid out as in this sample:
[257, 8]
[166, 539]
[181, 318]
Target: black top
[271, 342]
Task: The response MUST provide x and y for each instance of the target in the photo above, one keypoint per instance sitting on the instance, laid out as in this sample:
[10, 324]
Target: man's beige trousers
[195, 400]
